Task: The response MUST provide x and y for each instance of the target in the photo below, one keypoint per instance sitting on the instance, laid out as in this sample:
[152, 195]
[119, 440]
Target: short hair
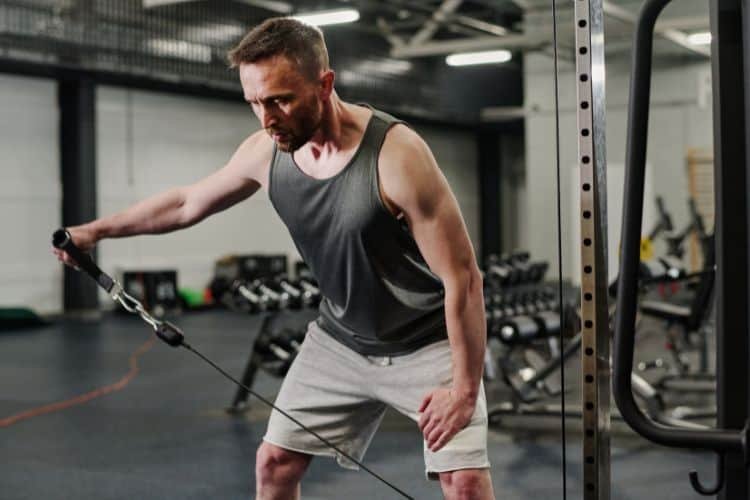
[302, 43]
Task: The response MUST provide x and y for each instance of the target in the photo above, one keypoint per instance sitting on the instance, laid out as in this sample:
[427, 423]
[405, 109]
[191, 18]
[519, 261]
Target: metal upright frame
[589, 29]
[730, 85]
[731, 233]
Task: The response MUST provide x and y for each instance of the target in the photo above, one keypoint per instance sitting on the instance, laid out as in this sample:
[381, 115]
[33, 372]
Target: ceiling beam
[452, 18]
[480, 25]
[434, 23]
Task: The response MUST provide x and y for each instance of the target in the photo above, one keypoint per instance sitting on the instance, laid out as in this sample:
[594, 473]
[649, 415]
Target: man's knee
[469, 484]
[275, 465]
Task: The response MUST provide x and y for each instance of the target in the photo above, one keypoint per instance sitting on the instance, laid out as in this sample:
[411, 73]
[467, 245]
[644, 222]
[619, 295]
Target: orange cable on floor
[83, 398]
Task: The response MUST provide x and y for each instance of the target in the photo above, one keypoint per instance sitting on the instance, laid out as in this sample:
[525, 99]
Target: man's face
[286, 103]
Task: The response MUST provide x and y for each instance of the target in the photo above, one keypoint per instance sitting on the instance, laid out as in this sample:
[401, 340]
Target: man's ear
[327, 78]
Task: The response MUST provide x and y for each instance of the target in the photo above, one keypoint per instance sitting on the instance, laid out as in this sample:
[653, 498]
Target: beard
[301, 130]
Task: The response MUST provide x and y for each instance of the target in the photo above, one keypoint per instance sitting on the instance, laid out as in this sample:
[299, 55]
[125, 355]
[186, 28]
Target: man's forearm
[467, 332]
[161, 213]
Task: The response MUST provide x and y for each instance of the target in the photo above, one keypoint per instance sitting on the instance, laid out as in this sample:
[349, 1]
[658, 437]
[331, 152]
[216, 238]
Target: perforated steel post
[596, 365]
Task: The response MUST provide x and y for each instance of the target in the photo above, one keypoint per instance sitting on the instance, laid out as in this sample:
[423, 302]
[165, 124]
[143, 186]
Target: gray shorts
[343, 395]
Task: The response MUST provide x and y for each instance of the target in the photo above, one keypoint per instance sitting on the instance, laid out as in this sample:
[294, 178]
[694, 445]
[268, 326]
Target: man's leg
[467, 484]
[462, 465]
[278, 472]
[327, 389]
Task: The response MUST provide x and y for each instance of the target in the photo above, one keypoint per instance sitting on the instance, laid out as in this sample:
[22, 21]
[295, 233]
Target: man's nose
[267, 119]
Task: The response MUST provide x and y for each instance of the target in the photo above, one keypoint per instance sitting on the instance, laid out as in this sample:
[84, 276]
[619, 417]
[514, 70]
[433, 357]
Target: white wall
[30, 193]
[679, 120]
[148, 142]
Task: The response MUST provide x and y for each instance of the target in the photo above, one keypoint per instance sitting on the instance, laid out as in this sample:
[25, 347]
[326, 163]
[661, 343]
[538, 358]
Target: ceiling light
[329, 17]
[390, 66]
[486, 57]
[702, 38]
[180, 49]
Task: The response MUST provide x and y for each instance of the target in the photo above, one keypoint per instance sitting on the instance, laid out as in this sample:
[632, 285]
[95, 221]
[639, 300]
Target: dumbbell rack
[273, 352]
[254, 363]
[266, 297]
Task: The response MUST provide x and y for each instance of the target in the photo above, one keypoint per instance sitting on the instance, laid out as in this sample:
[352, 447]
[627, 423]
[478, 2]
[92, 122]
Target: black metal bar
[251, 369]
[489, 168]
[78, 171]
[714, 488]
[719, 440]
[731, 232]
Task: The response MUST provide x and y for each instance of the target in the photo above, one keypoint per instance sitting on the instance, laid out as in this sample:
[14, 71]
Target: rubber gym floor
[165, 434]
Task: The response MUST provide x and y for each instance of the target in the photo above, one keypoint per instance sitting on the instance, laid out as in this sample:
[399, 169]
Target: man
[402, 320]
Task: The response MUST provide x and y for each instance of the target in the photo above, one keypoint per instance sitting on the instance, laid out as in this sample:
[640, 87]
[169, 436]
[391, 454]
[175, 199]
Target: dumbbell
[518, 256]
[549, 323]
[499, 271]
[277, 296]
[311, 287]
[296, 294]
[505, 275]
[272, 350]
[495, 317]
[537, 271]
[248, 298]
[518, 329]
[545, 301]
[309, 294]
[490, 298]
[276, 359]
[289, 339]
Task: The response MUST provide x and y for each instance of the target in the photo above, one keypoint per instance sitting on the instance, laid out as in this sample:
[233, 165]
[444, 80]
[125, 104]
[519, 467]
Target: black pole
[490, 165]
[731, 232]
[745, 30]
[76, 99]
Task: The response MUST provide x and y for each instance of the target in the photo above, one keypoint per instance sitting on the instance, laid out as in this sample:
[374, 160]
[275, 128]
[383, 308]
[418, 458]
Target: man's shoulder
[258, 141]
[253, 157]
[258, 145]
[404, 161]
[400, 142]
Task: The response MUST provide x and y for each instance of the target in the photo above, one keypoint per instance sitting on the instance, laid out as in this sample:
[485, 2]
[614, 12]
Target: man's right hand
[83, 237]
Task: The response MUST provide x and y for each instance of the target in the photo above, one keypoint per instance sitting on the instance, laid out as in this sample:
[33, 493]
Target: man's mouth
[279, 135]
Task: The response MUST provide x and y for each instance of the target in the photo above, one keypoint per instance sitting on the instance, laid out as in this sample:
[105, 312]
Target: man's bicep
[440, 233]
[217, 192]
[435, 217]
[412, 181]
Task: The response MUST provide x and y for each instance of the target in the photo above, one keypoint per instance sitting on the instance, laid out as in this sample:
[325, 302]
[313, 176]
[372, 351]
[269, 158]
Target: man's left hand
[444, 412]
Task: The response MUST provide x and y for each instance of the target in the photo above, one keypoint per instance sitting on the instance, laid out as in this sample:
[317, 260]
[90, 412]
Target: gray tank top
[379, 296]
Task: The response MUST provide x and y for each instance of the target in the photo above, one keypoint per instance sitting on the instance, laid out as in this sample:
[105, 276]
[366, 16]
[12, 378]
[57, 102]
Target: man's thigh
[327, 390]
[406, 380]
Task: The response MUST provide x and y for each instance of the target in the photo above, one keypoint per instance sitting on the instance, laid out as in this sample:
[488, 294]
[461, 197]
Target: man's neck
[330, 136]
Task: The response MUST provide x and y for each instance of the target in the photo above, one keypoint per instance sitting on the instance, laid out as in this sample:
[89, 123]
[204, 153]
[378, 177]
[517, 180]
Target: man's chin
[287, 146]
